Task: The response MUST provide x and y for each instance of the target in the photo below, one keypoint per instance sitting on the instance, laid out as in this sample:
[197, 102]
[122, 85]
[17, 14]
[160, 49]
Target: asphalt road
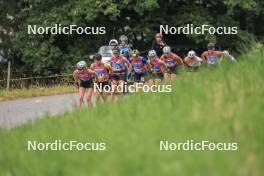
[16, 112]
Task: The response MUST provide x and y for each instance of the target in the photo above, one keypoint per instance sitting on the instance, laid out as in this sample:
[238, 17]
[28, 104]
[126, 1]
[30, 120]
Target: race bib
[169, 63]
[155, 69]
[138, 68]
[211, 59]
[100, 76]
[195, 64]
[117, 67]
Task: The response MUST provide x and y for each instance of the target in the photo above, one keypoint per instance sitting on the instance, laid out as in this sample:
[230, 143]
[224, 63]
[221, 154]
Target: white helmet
[152, 53]
[166, 49]
[225, 52]
[123, 38]
[80, 65]
[113, 42]
[191, 53]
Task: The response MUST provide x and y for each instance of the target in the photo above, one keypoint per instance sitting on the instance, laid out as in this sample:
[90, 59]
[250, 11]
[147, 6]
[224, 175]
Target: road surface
[16, 112]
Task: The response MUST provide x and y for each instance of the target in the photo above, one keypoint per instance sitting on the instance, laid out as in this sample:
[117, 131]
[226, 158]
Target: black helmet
[97, 56]
[210, 46]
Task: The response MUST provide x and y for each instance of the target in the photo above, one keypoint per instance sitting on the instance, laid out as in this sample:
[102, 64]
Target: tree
[139, 19]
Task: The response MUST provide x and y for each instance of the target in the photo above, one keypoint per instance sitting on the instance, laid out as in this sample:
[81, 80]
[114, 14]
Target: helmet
[116, 49]
[80, 65]
[97, 56]
[159, 35]
[152, 53]
[226, 52]
[191, 53]
[113, 42]
[123, 38]
[210, 46]
[166, 49]
[135, 53]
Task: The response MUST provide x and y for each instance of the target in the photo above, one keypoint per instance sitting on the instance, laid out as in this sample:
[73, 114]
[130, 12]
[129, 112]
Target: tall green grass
[224, 104]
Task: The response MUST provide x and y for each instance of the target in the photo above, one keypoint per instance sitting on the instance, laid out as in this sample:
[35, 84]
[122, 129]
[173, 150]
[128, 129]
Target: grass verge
[33, 92]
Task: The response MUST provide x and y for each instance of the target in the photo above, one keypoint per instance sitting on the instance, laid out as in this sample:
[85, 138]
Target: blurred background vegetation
[43, 55]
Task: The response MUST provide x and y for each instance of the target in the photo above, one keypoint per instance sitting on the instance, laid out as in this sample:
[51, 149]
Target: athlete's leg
[137, 82]
[80, 98]
[121, 83]
[157, 81]
[98, 91]
[174, 73]
[104, 92]
[159, 78]
[167, 77]
[151, 81]
[89, 93]
[98, 95]
[173, 76]
[104, 95]
[114, 84]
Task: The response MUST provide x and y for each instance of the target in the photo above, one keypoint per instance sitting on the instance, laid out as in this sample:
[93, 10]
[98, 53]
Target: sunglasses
[82, 68]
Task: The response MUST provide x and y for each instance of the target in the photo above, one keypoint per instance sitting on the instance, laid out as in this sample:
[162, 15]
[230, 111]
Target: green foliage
[244, 4]
[139, 19]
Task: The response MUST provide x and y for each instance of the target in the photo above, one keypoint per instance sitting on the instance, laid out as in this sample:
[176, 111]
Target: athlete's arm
[129, 59]
[163, 66]
[198, 59]
[75, 77]
[178, 59]
[220, 54]
[91, 71]
[162, 57]
[128, 64]
[108, 67]
[204, 57]
[232, 58]
[149, 65]
[185, 60]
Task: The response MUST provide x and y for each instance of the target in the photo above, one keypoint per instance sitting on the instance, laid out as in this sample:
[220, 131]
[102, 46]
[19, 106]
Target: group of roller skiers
[127, 65]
